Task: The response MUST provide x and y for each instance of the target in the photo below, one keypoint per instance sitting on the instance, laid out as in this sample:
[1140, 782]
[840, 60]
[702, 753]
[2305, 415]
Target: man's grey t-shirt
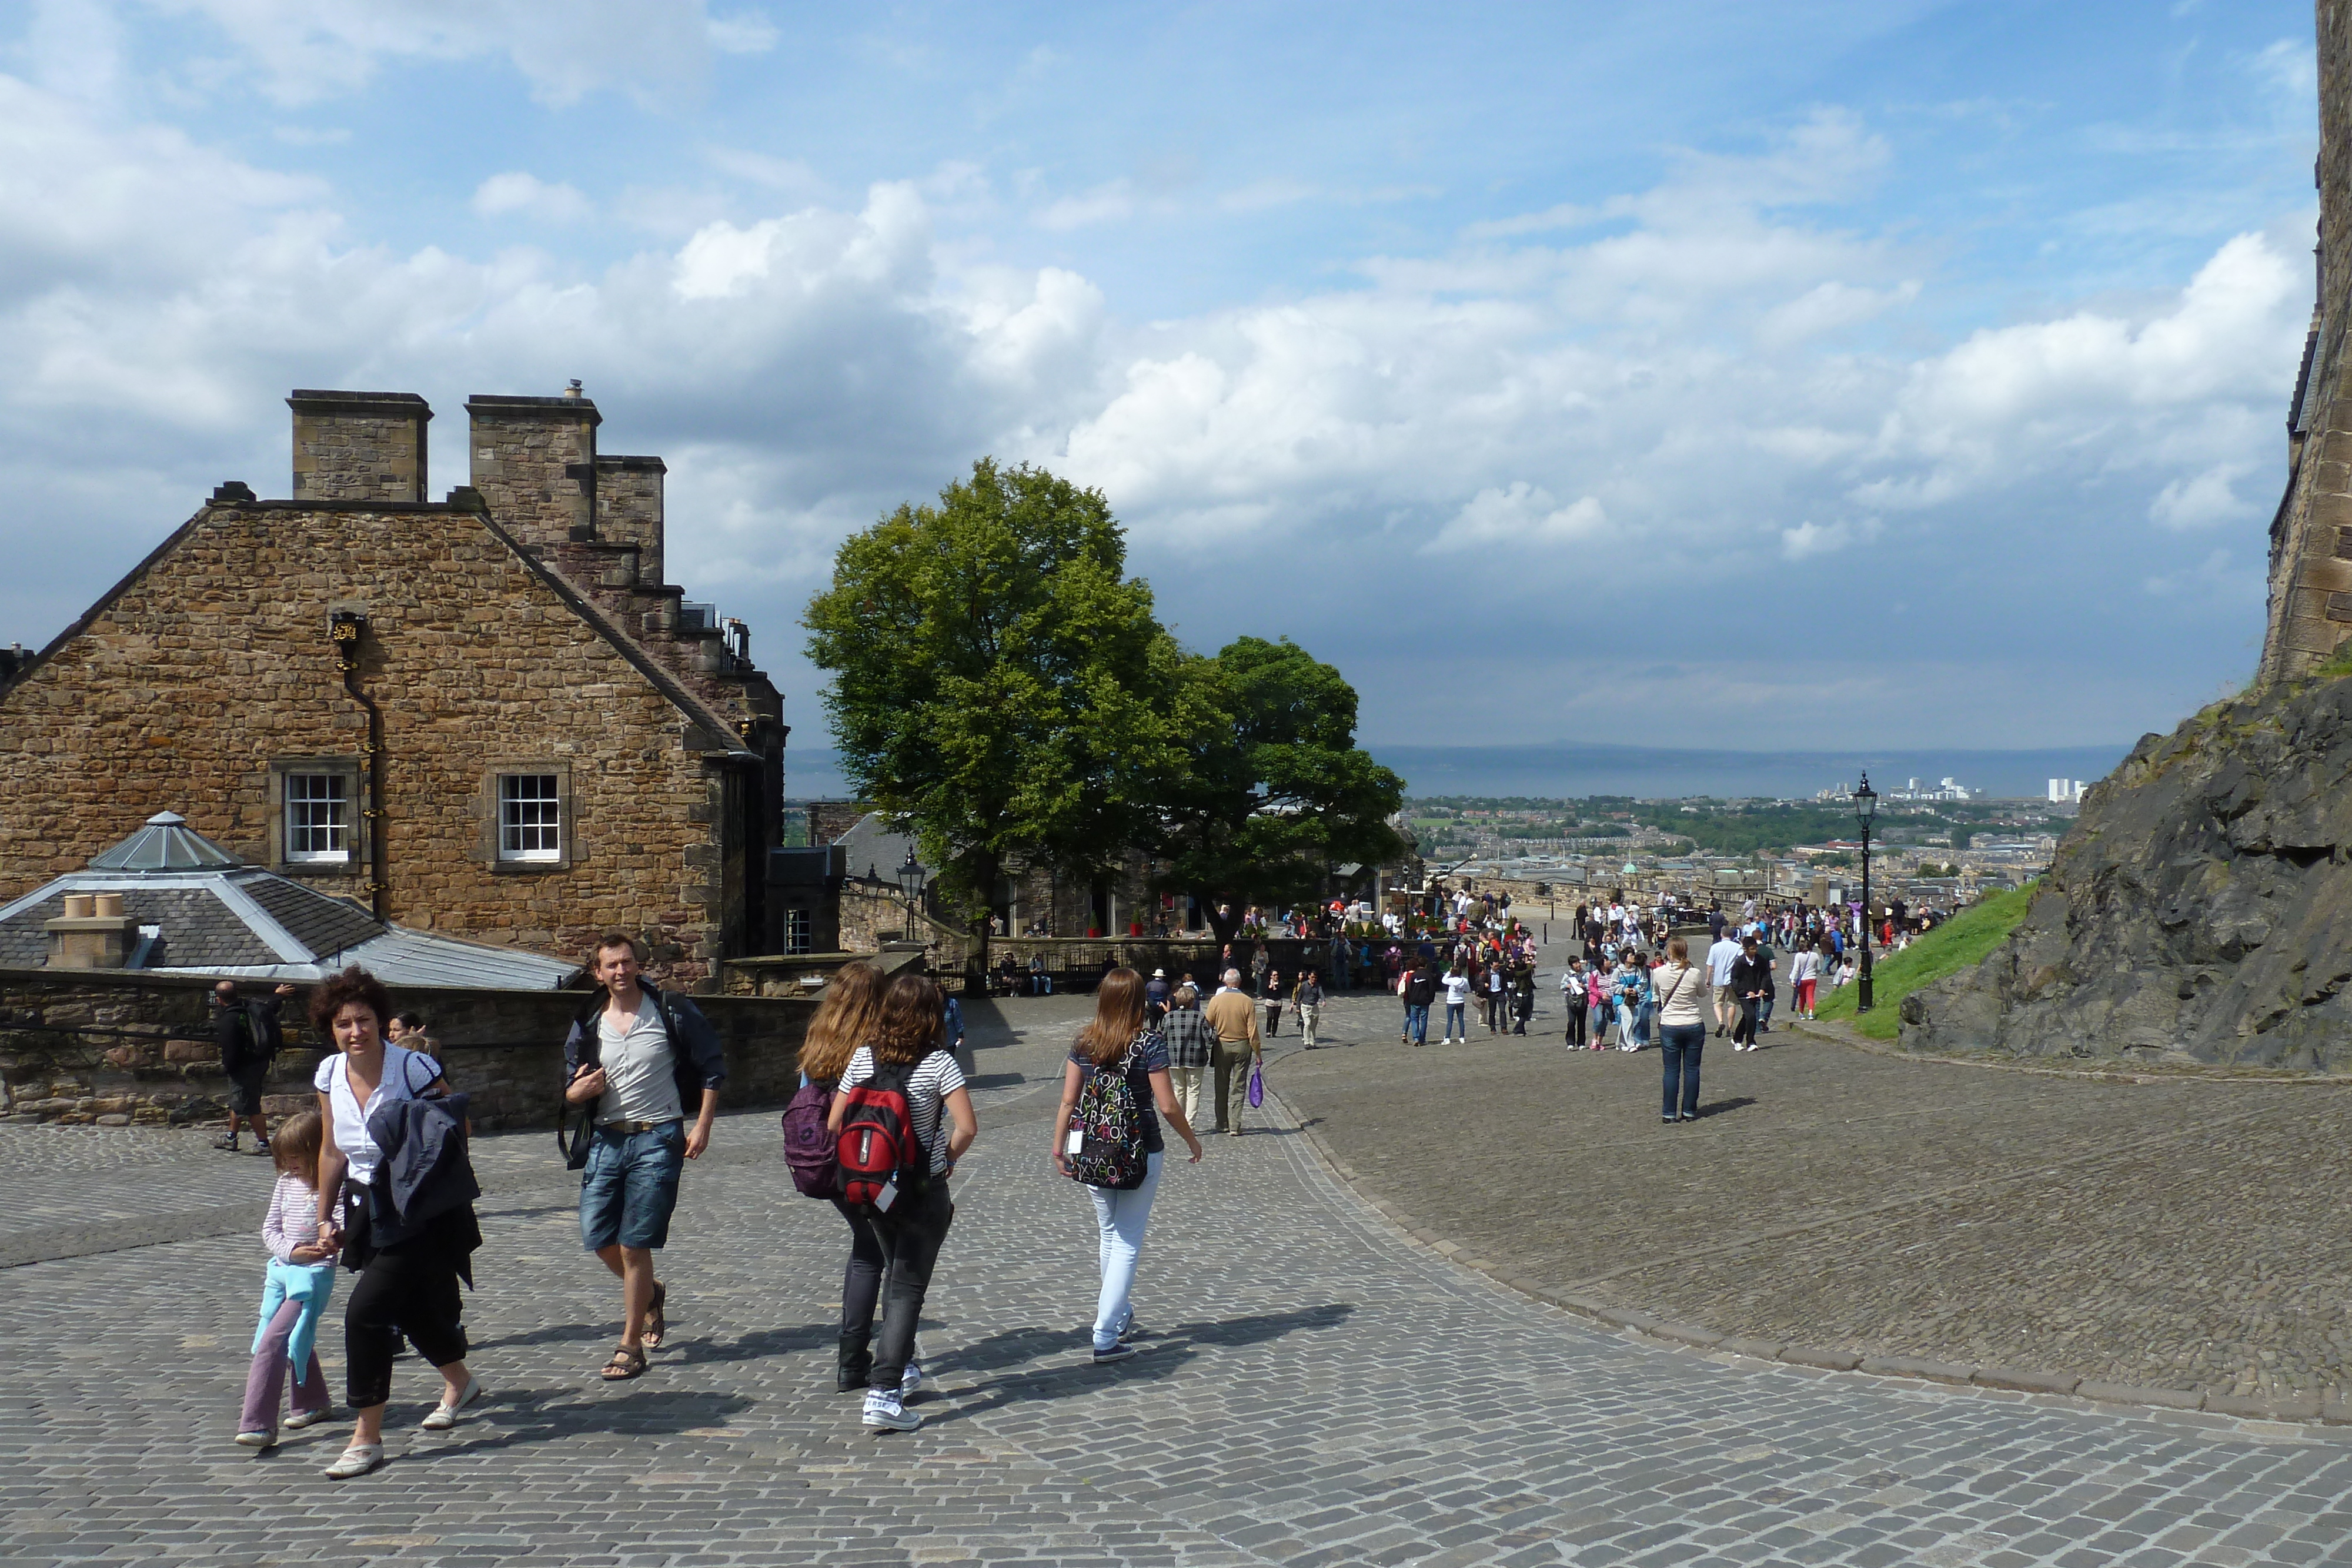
[640, 1083]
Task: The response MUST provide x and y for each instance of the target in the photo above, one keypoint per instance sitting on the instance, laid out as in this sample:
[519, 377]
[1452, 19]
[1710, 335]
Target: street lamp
[910, 886]
[1866, 806]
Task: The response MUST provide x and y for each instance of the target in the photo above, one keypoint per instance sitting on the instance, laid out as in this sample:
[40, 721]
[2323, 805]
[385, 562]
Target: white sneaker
[301, 1418]
[885, 1412]
[909, 1381]
[256, 1439]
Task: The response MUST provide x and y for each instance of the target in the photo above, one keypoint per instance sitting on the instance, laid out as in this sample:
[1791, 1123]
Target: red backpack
[877, 1151]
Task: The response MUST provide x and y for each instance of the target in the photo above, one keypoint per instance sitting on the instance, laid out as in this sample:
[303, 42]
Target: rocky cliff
[2201, 910]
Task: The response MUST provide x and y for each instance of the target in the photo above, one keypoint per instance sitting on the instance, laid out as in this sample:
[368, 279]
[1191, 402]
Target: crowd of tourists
[377, 1180]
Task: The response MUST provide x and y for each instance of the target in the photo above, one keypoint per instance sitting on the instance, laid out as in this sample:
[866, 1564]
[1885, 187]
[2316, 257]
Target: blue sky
[1811, 375]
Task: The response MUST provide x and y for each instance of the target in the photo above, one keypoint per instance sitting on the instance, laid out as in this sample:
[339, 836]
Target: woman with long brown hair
[1118, 1040]
[909, 1047]
[845, 1021]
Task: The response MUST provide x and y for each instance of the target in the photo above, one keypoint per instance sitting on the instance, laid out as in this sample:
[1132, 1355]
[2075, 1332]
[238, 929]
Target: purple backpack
[809, 1147]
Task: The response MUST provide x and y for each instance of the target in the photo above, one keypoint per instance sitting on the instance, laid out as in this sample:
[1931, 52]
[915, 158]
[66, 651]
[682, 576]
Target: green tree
[999, 684]
[1274, 790]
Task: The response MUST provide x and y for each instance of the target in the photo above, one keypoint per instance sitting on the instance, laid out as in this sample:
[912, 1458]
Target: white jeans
[1121, 1216]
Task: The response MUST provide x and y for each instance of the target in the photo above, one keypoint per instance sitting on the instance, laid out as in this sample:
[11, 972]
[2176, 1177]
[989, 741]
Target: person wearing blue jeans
[651, 1065]
[1457, 1004]
[1681, 988]
[1119, 1041]
[1419, 991]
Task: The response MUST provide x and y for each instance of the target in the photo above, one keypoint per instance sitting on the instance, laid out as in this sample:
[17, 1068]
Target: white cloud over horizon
[1716, 388]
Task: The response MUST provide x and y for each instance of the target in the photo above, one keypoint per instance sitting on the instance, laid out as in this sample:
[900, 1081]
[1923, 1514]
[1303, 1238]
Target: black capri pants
[411, 1289]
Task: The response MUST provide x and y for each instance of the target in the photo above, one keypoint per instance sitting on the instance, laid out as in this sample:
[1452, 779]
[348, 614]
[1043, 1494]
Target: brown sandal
[656, 1325]
[627, 1362]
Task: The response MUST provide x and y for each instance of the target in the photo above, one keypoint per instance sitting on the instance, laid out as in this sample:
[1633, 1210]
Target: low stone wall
[806, 974]
[123, 1048]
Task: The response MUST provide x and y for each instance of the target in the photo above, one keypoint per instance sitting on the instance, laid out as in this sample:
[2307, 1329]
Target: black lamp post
[910, 886]
[1866, 806]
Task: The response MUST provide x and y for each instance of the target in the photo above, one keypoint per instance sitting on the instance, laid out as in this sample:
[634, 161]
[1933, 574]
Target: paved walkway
[1318, 1390]
[2183, 1234]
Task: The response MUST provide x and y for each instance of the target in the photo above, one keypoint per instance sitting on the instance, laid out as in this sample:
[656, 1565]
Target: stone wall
[629, 508]
[184, 688]
[119, 1048]
[2310, 536]
[534, 461]
[359, 446]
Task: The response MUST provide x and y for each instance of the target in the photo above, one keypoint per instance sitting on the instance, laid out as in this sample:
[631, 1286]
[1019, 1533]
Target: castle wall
[2311, 537]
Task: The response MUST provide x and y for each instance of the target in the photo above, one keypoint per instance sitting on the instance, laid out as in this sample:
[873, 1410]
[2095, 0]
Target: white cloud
[788, 174]
[2015, 399]
[1520, 518]
[2210, 578]
[1810, 538]
[306, 51]
[519, 193]
[1105, 203]
[2201, 500]
[1827, 307]
[748, 34]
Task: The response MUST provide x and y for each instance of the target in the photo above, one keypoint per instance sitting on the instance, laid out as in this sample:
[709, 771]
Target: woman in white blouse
[409, 1287]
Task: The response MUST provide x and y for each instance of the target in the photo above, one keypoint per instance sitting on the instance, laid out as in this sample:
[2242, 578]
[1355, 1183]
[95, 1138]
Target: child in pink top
[301, 1276]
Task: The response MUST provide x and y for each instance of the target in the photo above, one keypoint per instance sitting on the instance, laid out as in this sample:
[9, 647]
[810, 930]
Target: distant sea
[1569, 771]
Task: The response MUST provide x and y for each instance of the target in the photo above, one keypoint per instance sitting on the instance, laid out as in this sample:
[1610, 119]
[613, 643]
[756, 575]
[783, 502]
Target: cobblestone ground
[1317, 1390]
[2190, 1235]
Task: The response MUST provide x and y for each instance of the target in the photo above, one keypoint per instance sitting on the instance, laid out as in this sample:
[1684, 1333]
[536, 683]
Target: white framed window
[797, 936]
[318, 818]
[531, 817]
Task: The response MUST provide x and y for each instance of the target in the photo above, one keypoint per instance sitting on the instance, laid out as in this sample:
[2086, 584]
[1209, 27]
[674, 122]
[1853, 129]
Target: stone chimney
[92, 934]
[629, 509]
[359, 446]
[534, 462]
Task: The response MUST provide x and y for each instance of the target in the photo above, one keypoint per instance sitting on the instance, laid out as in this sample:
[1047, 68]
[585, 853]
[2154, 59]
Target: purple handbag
[1256, 1088]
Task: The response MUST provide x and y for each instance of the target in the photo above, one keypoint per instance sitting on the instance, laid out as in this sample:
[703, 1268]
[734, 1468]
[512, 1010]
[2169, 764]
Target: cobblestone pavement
[2190, 1235]
[1318, 1390]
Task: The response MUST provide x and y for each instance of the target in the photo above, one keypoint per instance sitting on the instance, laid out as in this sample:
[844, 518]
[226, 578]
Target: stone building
[487, 716]
[2311, 535]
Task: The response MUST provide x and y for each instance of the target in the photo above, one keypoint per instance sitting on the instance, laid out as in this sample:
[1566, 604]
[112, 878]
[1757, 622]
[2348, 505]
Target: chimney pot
[571, 388]
[81, 905]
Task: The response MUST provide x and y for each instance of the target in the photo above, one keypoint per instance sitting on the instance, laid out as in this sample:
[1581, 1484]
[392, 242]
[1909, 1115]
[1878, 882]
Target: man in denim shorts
[643, 1055]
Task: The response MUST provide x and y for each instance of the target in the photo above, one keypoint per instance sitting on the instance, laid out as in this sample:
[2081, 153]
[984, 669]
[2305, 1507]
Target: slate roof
[322, 924]
[222, 917]
[198, 928]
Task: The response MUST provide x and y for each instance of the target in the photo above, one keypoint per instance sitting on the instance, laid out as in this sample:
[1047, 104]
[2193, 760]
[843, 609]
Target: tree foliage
[1275, 789]
[999, 683]
[1002, 687]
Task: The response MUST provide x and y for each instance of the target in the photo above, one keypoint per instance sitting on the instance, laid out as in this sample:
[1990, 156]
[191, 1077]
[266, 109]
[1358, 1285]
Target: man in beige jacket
[1232, 1016]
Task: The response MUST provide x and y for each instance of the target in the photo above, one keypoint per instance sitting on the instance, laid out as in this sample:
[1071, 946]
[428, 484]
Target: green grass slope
[1958, 944]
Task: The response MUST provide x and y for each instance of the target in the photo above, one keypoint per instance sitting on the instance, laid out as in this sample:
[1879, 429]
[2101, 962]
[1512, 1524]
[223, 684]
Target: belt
[627, 1128]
